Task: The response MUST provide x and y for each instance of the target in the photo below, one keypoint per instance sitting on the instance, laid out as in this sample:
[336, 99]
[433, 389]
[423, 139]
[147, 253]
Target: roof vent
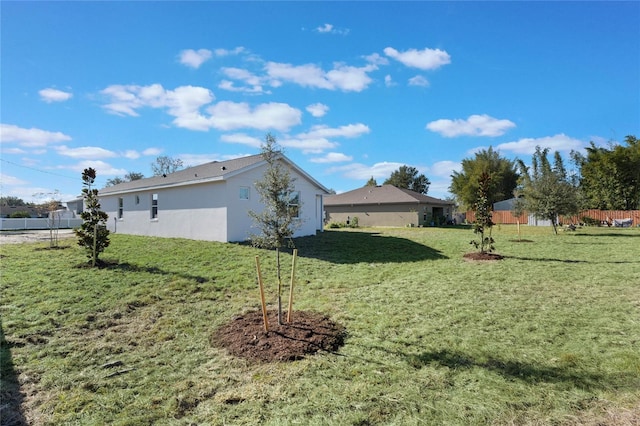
[223, 168]
[164, 175]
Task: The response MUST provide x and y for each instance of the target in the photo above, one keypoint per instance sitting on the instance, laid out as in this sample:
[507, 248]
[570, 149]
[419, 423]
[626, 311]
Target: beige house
[386, 205]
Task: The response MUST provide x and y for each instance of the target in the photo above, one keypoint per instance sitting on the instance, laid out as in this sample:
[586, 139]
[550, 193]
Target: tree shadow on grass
[11, 406]
[513, 370]
[528, 372]
[347, 247]
[546, 259]
[609, 234]
[130, 267]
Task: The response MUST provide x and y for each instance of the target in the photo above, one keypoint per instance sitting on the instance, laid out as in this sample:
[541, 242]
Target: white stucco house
[207, 202]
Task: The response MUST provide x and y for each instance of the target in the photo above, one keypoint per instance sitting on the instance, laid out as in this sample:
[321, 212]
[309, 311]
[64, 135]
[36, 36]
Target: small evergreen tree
[279, 218]
[93, 234]
[483, 223]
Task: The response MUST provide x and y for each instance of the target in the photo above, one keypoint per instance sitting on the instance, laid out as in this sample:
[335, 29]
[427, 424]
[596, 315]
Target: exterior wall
[196, 212]
[241, 225]
[375, 215]
[387, 214]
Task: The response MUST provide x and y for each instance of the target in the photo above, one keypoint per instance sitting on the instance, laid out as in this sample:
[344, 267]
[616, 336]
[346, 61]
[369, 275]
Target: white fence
[43, 223]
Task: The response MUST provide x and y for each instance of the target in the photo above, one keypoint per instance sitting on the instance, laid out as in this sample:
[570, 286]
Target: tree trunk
[279, 286]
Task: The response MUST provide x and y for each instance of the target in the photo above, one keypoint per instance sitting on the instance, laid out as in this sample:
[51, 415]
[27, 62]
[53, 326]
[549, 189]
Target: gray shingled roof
[385, 194]
[216, 170]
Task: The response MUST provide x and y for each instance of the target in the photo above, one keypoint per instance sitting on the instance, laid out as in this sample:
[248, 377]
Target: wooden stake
[264, 305]
[293, 272]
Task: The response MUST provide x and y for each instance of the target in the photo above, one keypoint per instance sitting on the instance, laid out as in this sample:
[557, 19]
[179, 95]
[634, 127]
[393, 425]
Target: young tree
[407, 177]
[518, 208]
[279, 219]
[165, 165]
[465, 183]
[483, 209]
[93, 234]
[50, 207]
[548, 192]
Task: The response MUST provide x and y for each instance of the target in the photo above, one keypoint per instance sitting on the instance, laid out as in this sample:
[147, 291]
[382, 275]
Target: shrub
[20, 215]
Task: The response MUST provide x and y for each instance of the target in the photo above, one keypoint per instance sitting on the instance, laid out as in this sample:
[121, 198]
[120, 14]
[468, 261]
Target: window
[120, 207]
[294, 204]
[154, 206]
[244, 193]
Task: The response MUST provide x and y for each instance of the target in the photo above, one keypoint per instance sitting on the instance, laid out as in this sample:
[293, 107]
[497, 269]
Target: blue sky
[350, 90]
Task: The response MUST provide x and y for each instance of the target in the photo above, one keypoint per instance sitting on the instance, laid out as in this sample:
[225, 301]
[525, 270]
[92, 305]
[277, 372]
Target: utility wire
[38, 170]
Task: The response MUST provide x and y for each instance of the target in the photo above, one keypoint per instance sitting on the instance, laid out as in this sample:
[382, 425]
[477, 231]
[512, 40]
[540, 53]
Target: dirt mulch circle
[307, 334]
[477, 256]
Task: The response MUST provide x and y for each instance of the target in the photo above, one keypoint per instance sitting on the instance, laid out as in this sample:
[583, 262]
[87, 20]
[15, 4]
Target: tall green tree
[610, 177]
[93, 234]
[502, 172]
[279, 218]
[371, 182]
[548, 192]
[407, 177]
[12, 201]
[165, 165]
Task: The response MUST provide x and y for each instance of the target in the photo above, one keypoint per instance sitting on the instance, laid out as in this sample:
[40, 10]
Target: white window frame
[244, 192]
[154, 206]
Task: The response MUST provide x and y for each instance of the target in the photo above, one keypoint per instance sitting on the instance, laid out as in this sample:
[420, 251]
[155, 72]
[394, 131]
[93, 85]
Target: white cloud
[253, 82]
[102, 168]
[308, 145]
[86, 152]
[376, 59]
[30, 137]
[131, 154]
[194, 58]
[559, 142]
[241, 138]
[363, 172]
[388, 81]
[341, 77]
[228, 115]
[16, 151]
[11, 180]
[418, 80]
[50, 95]
[347, 131]
[444, 169]
[475, 125]
[332, 157]
[330, 29]
[317, 109]
[152, 151]
[426, 59]
[184, 104]
[227, 52]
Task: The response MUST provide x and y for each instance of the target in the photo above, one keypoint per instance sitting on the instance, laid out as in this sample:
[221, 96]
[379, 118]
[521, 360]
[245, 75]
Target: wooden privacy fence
[506, 217]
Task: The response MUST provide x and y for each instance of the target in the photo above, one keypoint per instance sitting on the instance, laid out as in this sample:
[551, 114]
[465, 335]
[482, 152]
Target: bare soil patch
[307, 334]
[476, 255]
[32, 236]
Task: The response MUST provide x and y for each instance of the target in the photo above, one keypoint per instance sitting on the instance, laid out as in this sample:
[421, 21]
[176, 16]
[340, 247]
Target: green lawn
[549, 335]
